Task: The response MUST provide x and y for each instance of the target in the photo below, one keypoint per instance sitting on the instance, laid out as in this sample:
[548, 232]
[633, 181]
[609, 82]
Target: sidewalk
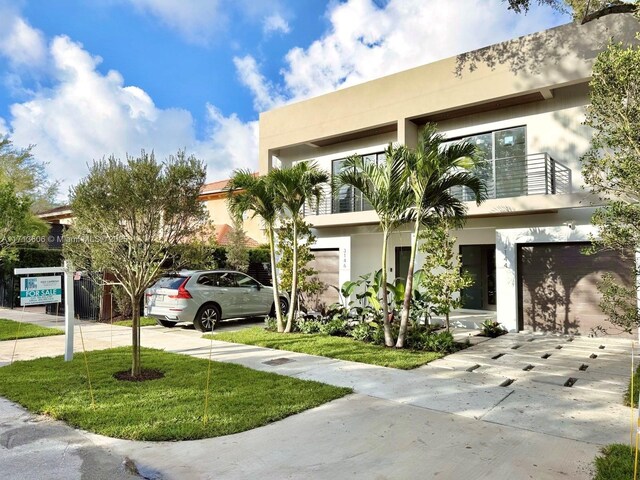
[415, 414]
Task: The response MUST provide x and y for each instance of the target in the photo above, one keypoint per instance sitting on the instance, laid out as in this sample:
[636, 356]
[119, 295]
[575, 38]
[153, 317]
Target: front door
[479, 261]
[403, 255]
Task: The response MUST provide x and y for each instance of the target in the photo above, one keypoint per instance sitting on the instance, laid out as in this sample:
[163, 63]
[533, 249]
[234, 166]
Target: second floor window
[347, 198]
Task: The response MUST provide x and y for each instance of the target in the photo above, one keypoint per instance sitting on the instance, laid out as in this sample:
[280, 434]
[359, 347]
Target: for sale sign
[40, 290]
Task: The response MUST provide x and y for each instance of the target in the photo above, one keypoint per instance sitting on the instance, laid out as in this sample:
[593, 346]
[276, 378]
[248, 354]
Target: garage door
[326, 262]
[558, 287]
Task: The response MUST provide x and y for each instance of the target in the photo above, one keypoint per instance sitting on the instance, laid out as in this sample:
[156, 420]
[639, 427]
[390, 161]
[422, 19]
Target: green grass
[343, 348]
[170, 408]
[10, 330]
[615, 463]
[144, 322]
[636, 389]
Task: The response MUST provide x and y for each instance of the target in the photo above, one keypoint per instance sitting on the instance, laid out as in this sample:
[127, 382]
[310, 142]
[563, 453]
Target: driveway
[497, 410]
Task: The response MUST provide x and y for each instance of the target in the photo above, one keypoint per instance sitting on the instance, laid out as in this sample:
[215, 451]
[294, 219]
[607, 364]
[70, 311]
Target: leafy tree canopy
[611, 168]
[28, 175]
[130, 216]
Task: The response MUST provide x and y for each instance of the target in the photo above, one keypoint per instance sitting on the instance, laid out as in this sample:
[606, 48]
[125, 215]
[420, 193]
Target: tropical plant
[293, 188]
[493, 329]
[256, 195]
[384, 186]
[434, 170]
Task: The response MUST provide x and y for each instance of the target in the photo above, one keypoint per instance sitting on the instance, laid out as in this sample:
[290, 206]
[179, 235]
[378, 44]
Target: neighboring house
[214, 197]
[522, 104]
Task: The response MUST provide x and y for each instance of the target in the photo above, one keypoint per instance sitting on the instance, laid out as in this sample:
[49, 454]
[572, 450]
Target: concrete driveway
[496, 410]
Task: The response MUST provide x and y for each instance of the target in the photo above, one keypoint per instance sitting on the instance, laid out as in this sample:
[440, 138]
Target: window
[504, 169]
[347, 198]
[244, 280]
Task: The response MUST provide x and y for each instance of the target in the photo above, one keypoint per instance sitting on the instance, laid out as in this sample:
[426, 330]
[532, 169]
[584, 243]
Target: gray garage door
[558, 287]
[326, 262]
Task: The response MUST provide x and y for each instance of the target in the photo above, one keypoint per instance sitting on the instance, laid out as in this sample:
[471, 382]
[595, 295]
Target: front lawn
[636, 389]
[615, 463]
[343, 348]
[10, 330]
[170, 408]
[144, 322]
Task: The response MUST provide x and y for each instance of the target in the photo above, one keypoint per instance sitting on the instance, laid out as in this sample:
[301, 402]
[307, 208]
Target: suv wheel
[206, 318]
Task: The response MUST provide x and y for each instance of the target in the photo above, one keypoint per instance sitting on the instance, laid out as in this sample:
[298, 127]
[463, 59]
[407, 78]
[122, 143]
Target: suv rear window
[171, 283]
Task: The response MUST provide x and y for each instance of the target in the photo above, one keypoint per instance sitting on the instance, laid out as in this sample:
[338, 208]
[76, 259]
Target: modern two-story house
[523, 104]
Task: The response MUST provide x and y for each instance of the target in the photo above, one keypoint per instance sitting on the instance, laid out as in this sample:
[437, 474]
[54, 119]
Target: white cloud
[231, 144]
[275, 23]
[365, 41]
[196, 20]
[264, 96]
[88, 115]
[21, 44]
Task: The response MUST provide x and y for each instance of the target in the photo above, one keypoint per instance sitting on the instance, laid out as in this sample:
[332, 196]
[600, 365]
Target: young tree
[611, 167]
[17, 223]
[28, 176]
[434, 170]
[385, 188]
[442, 277]
[130, 216]
[256, 195]
[237, 252]
[308, 285]
[294, 187]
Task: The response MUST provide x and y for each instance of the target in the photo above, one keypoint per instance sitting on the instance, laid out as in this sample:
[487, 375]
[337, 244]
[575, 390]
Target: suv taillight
[182, 292]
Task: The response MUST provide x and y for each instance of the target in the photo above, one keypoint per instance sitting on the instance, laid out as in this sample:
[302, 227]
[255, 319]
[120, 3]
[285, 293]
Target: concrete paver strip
[535, 406]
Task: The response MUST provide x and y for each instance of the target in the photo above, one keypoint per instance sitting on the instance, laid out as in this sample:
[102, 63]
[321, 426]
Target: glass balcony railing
[535, 174]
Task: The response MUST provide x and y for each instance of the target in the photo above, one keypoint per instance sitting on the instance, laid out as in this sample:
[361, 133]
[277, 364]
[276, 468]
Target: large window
[347, 198]
[504, 166]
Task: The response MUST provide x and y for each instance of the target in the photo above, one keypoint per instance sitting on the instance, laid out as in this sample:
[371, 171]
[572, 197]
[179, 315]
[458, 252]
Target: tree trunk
[446, 318]
[135, 331]
[294, 279]
[274, 280]
[408, 291]
[388, 335]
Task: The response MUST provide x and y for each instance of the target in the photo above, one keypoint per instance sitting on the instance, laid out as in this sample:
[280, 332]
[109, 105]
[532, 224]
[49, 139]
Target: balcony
[524, 175]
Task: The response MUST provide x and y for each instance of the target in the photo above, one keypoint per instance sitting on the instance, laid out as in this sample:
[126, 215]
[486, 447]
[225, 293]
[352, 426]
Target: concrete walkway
[474, 414]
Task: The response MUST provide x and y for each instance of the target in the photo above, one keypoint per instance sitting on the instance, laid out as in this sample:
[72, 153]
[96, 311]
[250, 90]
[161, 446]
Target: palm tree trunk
[135, 332]
[388, 335]
[408, 291]
[274, 280]
[294, 279]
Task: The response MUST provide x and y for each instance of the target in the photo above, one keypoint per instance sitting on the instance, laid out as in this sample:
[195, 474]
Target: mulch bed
[145, 374]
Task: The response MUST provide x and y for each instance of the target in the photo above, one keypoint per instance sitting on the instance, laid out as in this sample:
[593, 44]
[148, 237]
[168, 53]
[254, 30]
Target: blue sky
[81, 80]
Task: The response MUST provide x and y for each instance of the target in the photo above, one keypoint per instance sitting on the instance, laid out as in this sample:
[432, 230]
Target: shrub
[492, 329]
[364, 331]
[308, 325]
[270, 324]
[337, 327]
[441, 342]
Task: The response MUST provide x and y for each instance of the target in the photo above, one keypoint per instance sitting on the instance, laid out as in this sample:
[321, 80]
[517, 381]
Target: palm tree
[250, 193]
[384, 186]
[434, 170]
[294, 187]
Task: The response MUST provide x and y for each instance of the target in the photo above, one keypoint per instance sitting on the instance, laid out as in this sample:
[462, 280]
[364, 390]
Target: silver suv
[206, 297]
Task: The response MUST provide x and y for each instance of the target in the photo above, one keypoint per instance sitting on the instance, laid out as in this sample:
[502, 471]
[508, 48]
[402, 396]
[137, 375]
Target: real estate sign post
[47, 289]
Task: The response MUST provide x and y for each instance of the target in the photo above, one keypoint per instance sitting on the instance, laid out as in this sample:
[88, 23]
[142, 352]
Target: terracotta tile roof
[223, 234]
[218, 186]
